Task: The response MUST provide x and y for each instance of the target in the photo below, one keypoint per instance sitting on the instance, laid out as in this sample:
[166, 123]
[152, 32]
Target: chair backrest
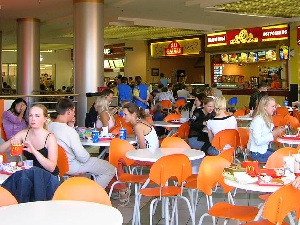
[116, 130]
[210, 173]
[149, 119]
[184, 130]
[244, 137]
[239, 112]
[277, 120]
[226, 137]
[172, 116]
[228, 154]
[117, 150]
[6, 198]
[3, 134]
[291, 121]
[233, 101]
[282, 111]
[120, 121]
[280, 203]
[166, 104]
[180, 103]
[276, 159]
[174, 142]
[62, 161]
[165, 168]
[81, 189]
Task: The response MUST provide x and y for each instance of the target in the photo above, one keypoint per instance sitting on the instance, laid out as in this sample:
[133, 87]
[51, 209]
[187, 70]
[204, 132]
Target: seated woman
[261, 130]
[159, 116]
[145, 133]
[14, 118]
[198, 131]
[105, 119]
[220, 122]
[39, 144]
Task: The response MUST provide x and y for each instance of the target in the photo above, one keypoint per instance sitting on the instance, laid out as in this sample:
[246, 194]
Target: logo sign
[174, 48]
[275, 33]
[107, 51]
[216, 39]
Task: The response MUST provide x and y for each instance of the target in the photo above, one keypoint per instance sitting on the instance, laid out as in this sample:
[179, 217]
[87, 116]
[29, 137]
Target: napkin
[244, 178]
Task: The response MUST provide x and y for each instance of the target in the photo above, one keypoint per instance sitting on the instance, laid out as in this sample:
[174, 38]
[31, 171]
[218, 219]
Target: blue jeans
[261, 157]
[194, 143]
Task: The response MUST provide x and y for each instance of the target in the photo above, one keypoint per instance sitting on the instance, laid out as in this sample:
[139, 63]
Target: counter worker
[125, 91]
[140, 93]
[261, 87]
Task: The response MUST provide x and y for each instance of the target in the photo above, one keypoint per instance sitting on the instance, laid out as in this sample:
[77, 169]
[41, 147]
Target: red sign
[174, 48]
[248, 35]
[298, 35]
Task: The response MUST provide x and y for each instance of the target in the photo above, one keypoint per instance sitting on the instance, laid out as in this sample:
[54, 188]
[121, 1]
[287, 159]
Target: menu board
[261, 55]
[106, 64]
[233, 57]
[111, 64]
[243, 58]
[271, 55]
[119, 63]
[284, 52]
[252, 57]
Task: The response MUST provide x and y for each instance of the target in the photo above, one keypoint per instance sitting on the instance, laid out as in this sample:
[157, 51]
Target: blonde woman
[261, 130]
[105, 119]
[220, 122]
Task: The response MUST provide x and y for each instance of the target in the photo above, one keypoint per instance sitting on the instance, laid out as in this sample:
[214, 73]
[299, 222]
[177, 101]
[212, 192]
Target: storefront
[242, 59]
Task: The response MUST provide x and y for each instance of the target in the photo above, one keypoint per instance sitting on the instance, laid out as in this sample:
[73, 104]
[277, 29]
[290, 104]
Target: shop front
[242, 59]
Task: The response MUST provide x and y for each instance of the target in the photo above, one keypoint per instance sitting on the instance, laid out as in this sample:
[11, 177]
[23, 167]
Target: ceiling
[144, 19]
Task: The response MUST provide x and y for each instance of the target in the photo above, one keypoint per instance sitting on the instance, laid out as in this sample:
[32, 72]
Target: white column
[28, 55]
[88, 51]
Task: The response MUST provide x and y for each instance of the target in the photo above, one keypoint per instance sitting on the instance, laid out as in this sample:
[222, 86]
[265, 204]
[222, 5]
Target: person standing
[163, 80]
[125, 91]
[253, 98]
[14, 118]
[261, 130]
[79, 159]
[140, 93]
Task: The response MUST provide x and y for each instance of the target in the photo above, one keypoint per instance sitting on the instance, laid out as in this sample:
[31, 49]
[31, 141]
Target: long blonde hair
[264, 101]
[220, 104]
[102, 104]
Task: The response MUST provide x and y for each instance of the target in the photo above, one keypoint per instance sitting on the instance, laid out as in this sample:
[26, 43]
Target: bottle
[286, 102]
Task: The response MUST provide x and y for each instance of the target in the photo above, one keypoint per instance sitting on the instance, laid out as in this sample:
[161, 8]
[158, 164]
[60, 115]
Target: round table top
[60, 212]
[244, 118]
[251, 187]
[105, 143]
[165, 124]
[288, 141]
[151, 155]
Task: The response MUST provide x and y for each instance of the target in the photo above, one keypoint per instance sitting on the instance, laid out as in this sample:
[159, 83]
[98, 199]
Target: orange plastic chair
[226, 137]
[149, 120]
[179, 104]
[228, 154]
[239, 112]
[166, 104]
[117, 152]
[62, 161]
[82, 189]
[278, 120]
[161, 171]
[3, 134]
[172, 116]
[174, 142]
[116, 130]
[276, 159]
[291, 121]
[184, 130]
[279, 205]
[282, 111]
[120, 121]
[244, 138]
[210, 173]
[6, 198]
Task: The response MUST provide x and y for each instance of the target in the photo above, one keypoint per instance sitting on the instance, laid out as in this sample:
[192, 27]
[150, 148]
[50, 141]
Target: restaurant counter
[243, 95]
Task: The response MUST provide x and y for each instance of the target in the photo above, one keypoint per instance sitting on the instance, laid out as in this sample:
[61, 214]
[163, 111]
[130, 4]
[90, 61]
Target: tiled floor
[242, 198]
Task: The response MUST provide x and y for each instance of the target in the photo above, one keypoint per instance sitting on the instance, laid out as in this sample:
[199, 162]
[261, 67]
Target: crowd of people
[208, 117]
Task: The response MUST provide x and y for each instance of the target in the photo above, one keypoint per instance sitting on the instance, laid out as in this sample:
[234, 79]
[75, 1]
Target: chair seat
[164, 191]
[133, 178]
[233, 212]
[264, 222]
[264, 197]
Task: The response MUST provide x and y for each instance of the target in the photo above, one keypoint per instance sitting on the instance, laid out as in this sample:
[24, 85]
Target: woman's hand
[28, 147]
[14, 141]
[277, 131]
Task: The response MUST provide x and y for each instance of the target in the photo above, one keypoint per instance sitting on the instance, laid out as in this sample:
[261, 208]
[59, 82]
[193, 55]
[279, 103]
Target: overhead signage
[248, 35]
[174, 48]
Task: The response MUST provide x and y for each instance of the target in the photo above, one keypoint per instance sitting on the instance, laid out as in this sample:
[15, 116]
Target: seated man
[79, 159]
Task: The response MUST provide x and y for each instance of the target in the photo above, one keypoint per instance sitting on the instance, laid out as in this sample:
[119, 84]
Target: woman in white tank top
[104, 117]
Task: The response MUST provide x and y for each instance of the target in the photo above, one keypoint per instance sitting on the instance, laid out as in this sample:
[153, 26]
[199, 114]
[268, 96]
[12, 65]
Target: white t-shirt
[218, 124]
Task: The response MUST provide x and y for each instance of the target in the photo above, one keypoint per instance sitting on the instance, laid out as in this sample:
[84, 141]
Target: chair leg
[151, 210]
[190, 209]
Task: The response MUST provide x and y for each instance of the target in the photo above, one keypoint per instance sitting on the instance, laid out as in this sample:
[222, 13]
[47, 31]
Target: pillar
[88, 51]
[28, 55]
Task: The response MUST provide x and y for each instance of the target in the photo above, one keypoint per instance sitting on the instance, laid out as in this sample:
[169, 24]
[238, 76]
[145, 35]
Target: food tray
[105, 138]
[291, 138]
[273, 182]
[175, 121]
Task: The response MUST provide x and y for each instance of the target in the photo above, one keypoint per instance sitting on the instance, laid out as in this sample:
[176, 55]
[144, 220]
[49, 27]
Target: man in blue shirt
[125, 91]
[163, 80]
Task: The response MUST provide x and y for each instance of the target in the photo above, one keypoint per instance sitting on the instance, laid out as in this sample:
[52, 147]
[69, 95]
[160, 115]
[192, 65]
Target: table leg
[102, 154]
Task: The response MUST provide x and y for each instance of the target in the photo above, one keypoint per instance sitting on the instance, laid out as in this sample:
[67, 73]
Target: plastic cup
[16, 150]
[28, 164]
[95, 136]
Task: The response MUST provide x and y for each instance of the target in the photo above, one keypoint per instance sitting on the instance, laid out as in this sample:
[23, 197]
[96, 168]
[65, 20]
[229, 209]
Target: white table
[106, 144]
[60, 212]
[3, 177]
[288, 142]
[164, 124]
[153, 155]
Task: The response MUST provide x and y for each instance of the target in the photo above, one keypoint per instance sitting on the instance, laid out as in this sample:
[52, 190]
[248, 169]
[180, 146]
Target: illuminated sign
[298, 35]
[248, 35]
[107, 51]
[174, 48]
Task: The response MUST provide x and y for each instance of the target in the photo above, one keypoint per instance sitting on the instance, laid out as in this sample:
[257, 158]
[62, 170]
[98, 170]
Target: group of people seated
[209, 116]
